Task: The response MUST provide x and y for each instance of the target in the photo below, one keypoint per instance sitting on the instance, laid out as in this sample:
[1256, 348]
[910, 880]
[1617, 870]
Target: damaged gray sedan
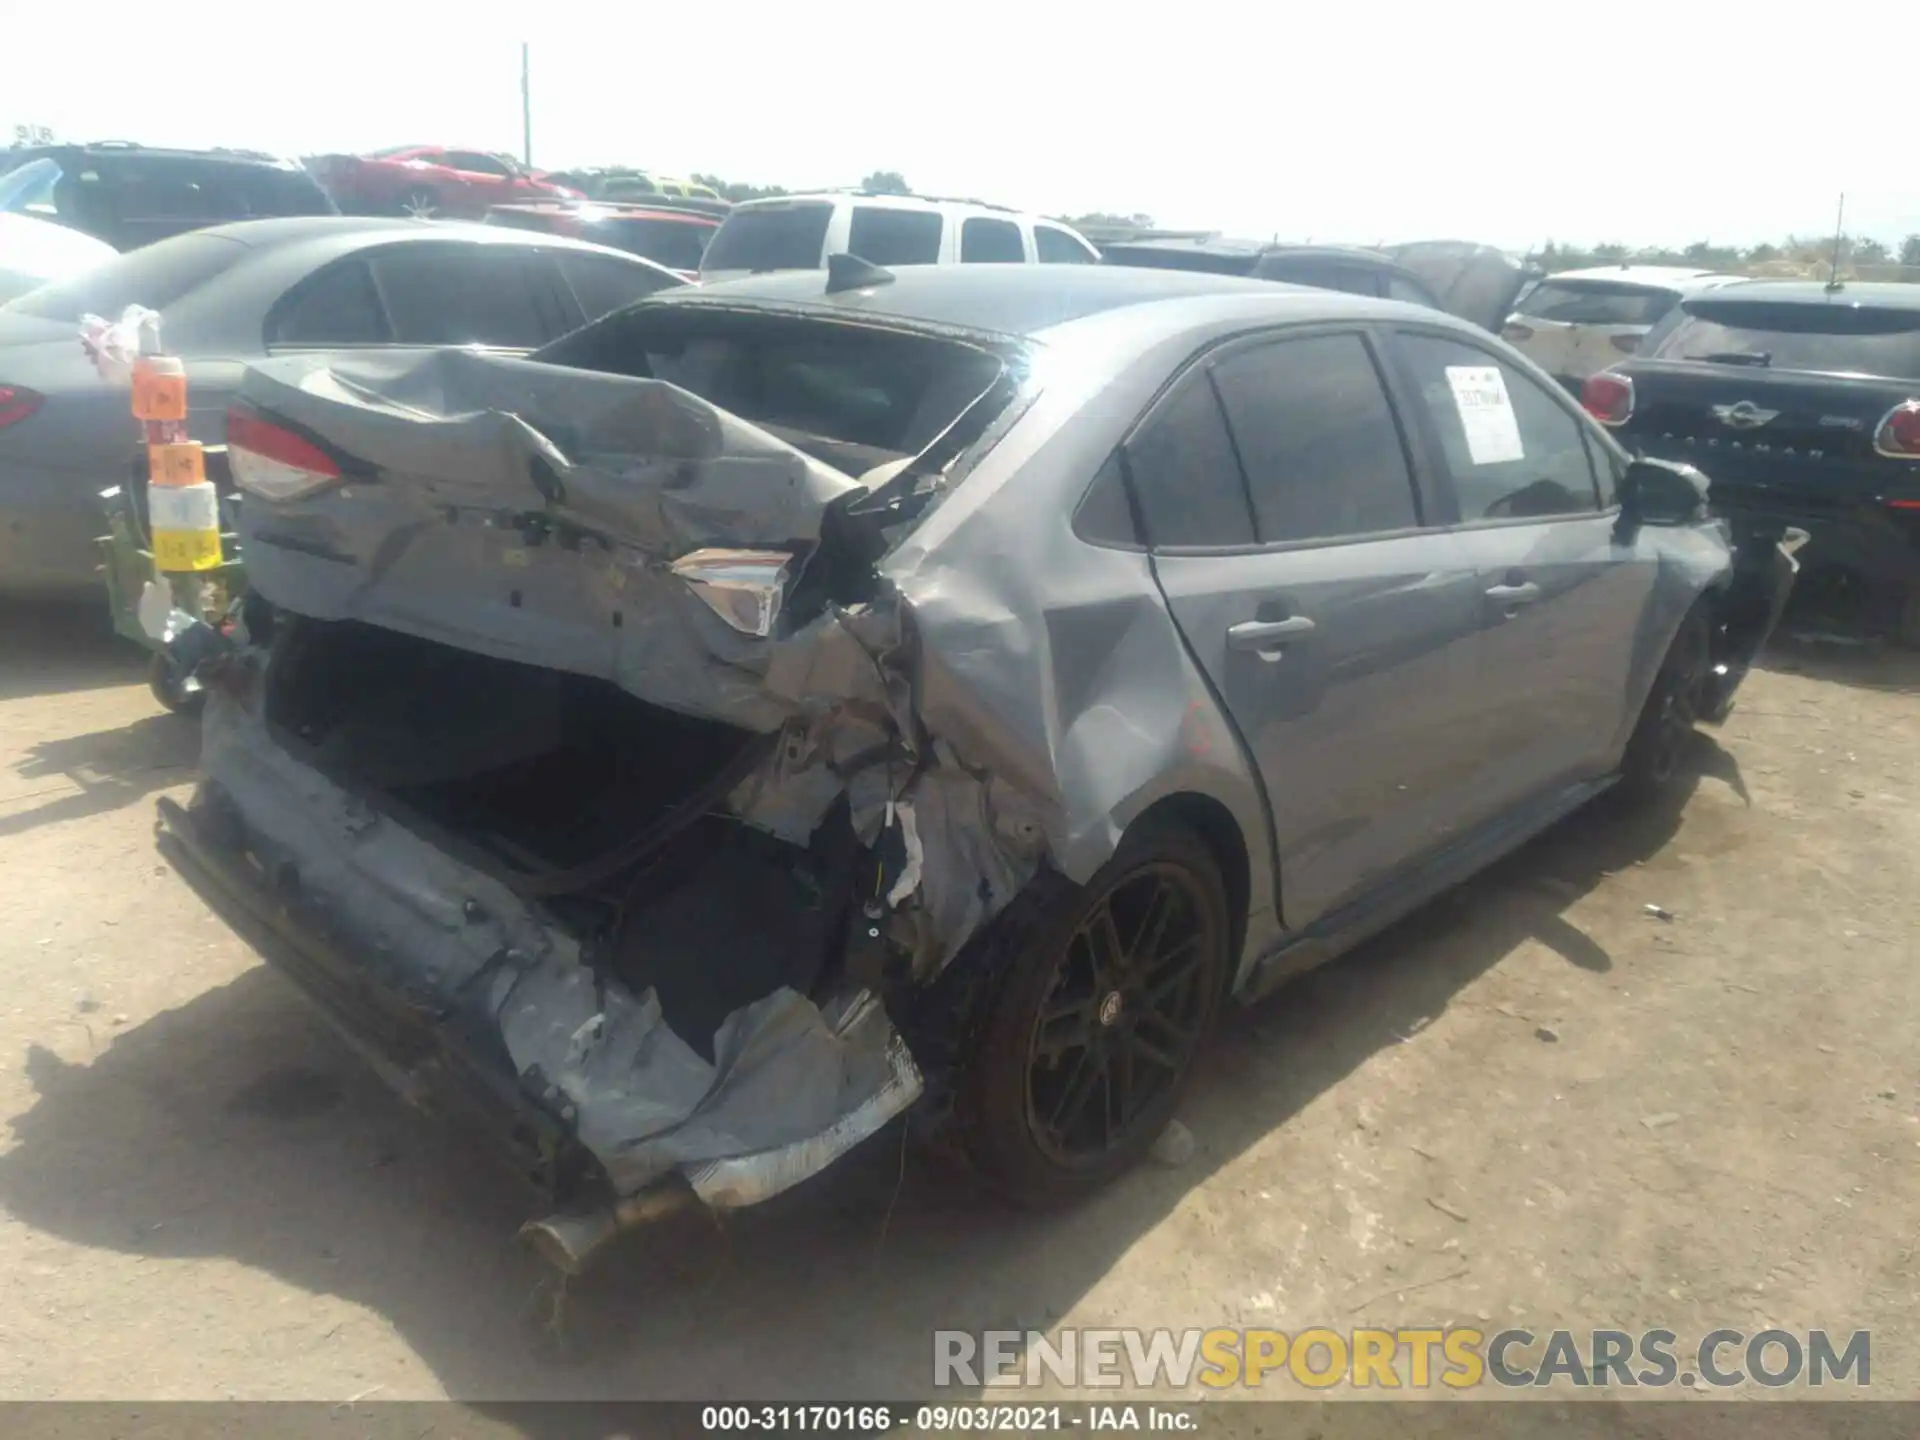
[783, 703]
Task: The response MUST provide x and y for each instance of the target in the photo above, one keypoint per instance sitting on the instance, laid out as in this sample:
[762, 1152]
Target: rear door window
[991, 242]
[602, 284]
[771, 237]
[676, 244]
[1056, 247]
[1575, 302]
[881, 235]
[337, 306]
[1184, 474]
[465, 295]
[1317, 440]
[1512, 449]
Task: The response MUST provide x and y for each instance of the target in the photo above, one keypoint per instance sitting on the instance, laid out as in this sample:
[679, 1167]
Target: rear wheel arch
[1214, 824]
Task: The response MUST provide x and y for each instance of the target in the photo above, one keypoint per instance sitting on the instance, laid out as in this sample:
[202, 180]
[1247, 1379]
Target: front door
[1336, 628]
[1563, 597]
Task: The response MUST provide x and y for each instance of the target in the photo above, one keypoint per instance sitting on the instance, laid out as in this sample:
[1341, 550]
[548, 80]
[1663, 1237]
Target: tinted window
[603, 285]
[622, 187]
[991, 242]
[895, 237]
[1057, 247]
[1184, 473]
[1511, 448]
[1836, 339]
[1105, 516]
[676, 244]
[158, 276]
[1316, 439]
[771, 237]
[1596, 303]
[460, 295]
[338, 306]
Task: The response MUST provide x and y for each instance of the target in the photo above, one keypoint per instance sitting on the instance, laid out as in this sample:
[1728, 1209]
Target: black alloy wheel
[1094, 1025]
[1665, 731]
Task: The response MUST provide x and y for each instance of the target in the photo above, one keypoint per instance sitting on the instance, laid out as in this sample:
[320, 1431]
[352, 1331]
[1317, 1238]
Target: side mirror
[1662, 492]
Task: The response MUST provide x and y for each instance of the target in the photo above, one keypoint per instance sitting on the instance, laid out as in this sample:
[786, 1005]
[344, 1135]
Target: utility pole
[526, 110]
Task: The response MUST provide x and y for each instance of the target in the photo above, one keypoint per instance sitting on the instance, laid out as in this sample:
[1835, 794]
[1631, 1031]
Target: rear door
[1530, 494]
[1286, 531]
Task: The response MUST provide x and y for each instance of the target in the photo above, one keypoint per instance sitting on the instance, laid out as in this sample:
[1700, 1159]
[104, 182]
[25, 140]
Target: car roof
[350, 232]
[1251, 249]
[134, 150]
[1671, 277]
[1008, 300]
[1865, 295]
[943, 203]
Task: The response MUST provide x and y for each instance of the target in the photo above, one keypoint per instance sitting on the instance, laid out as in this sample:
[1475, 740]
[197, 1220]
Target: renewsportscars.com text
[1457, 1358]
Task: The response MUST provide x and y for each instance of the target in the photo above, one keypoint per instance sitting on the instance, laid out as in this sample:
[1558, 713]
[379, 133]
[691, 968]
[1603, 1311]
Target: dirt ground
[1532, 1104]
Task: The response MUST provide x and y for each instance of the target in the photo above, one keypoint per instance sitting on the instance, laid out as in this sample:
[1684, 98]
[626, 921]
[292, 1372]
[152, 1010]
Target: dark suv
[129, 195]
[1801, 402]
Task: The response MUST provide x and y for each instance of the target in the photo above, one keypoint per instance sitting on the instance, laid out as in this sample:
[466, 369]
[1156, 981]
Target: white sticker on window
[1486, 413]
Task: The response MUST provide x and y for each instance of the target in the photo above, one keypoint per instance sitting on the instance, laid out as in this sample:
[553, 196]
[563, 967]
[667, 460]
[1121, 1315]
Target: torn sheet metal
[788, 1083]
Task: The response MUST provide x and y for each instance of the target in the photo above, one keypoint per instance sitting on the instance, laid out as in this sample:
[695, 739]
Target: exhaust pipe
[568, 1241]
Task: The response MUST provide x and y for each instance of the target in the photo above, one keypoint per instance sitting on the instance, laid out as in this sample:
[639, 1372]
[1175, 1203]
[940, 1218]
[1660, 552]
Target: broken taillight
[273, 462]
[743, 587]
[17, 402]
[1608, 397]
[1898, 434]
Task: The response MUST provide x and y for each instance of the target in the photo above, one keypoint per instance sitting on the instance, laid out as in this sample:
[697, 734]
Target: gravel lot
[1533, 1103]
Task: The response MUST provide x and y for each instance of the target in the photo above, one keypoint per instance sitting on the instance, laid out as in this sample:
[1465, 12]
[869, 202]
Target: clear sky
[1348, 120]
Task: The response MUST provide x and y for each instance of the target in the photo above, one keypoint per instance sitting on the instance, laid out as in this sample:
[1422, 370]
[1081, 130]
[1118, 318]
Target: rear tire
[1656, 752]
[1091, 1029]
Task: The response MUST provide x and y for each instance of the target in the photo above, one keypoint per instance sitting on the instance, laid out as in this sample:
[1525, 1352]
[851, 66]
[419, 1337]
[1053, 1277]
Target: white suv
[799, 232]
[1581, 321]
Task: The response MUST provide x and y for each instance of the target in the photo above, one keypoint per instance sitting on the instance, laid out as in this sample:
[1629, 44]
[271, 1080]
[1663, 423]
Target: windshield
[771, 237]
[676, 244]
[1596, 302]
[156, 277]
[1840, 339]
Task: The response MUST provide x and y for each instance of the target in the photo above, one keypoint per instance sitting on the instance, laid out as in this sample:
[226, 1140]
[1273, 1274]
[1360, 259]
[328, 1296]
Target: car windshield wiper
[1738, 357]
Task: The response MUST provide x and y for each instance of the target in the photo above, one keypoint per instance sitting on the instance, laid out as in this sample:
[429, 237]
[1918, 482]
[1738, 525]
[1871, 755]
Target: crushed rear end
[567, 753]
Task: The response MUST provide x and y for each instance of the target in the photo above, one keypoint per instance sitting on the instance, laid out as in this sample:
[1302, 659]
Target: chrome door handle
[1524, 594]
[1267, 634]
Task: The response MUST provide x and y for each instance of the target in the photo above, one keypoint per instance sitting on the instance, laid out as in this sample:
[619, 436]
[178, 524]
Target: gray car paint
[1046, 678]
[83, 438]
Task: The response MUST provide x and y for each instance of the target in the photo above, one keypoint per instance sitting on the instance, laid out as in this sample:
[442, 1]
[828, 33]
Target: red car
[430, 181]
[673, 238]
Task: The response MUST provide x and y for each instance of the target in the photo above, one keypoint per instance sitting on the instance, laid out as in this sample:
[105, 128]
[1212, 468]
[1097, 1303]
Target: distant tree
[1609, 254]
[1708, 256]
[1871, 252]
[887, 182]
[735, 191]
[1910, 250]
[1100, 219]
[1761, 254]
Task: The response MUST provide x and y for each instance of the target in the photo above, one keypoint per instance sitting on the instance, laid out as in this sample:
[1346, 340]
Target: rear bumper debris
[473, 1006]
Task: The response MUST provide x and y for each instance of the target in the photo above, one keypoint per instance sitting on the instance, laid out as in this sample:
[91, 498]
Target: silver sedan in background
[234, 294]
